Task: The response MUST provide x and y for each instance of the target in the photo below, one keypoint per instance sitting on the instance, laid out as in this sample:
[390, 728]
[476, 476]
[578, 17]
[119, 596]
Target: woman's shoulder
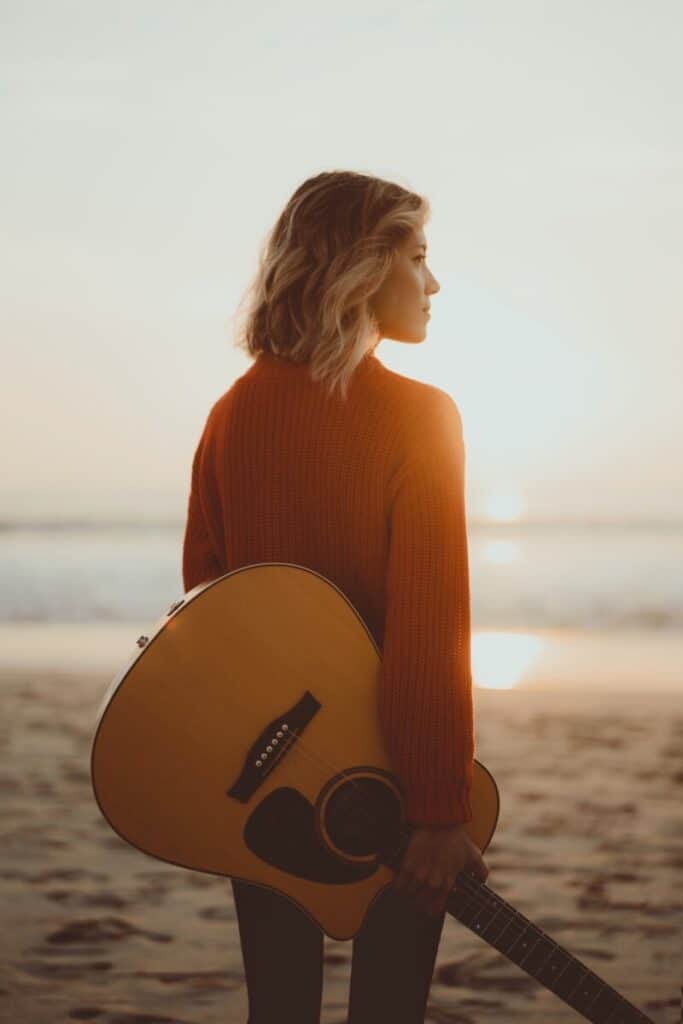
[419, 403]
[407, 405]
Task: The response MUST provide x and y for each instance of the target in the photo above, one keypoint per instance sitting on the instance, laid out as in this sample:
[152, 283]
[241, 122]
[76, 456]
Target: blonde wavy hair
[330, 250]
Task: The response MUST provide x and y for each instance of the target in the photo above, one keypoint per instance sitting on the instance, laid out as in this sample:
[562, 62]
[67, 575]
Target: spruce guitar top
[243, 739]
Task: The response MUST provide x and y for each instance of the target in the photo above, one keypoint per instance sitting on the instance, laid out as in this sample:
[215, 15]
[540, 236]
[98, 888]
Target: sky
[150, 146]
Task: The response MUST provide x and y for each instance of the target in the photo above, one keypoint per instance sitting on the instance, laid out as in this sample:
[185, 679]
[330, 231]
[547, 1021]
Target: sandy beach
[589, 846]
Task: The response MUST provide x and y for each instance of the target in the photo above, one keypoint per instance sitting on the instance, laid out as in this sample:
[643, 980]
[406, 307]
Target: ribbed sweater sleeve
[425, 684]
[201, 559]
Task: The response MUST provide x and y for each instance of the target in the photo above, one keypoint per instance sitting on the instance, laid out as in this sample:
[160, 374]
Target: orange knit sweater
[371, 494]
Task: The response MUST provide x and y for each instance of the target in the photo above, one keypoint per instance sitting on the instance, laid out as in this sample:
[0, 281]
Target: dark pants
[391, 968]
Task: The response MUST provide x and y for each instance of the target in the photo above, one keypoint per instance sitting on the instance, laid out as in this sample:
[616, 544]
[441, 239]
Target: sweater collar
[268, 365]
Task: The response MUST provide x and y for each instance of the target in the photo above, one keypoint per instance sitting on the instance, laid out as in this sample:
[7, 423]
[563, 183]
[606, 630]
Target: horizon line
[475, 522]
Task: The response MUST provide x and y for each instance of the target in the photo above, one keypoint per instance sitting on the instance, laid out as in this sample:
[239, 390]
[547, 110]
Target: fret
[511, 935]
[486, 909]
[459, 901]
[478, 908]
[515, 927]
[585, 991]
[468, 904]
[501, 919]
[519, 948]
[585, 996]
[550, 972]
[606, 1007]
[510, 925]
[539, 954]
[486, 912]
[570, 978]
[623, 1012]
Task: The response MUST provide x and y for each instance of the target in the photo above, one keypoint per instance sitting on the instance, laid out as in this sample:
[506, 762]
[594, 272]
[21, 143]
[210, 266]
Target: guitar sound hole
[363, 816]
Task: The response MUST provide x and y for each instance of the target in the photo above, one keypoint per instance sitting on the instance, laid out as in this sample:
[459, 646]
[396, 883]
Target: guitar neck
[488, 915]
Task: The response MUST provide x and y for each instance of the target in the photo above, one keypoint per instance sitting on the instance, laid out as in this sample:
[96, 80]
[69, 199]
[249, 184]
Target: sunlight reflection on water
[501, 659]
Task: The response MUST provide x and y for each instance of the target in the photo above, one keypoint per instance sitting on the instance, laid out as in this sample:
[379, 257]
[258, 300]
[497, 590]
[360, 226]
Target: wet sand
[589, 846]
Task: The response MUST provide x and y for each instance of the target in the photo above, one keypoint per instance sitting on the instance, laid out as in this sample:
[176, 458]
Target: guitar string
[358, 798]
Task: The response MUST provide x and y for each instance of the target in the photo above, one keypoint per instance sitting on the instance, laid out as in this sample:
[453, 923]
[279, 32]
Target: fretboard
[488, 915]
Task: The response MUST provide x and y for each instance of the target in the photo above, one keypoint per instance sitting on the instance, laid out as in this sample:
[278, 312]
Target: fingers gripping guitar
[433, 859]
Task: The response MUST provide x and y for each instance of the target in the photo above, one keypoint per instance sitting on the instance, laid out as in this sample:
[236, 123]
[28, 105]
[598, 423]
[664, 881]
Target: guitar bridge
[271, 746]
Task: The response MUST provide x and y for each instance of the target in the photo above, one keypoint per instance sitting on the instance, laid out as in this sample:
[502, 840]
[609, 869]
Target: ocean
[70, 591]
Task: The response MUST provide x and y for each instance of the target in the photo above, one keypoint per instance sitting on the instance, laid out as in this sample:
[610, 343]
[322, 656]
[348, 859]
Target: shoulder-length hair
[330, 250]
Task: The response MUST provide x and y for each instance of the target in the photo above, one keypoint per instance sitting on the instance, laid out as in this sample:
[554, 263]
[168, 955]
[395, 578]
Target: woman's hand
[433, 859]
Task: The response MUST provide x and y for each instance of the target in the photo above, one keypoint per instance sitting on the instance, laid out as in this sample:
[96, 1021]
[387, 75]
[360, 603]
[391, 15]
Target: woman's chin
[413, 337]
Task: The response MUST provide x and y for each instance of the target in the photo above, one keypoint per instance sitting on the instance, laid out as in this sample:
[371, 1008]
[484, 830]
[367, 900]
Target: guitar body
[244, 740]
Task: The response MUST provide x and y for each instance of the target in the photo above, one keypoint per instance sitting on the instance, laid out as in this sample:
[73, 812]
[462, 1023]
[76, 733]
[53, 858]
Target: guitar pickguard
[282, 832]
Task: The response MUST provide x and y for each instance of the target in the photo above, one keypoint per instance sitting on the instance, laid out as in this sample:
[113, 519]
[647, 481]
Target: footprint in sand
[121, 1017]
[220, 913]
[66, 875]
[61, 971]
[208, 980]
[103, 929]
[73, 898]
[483, 972]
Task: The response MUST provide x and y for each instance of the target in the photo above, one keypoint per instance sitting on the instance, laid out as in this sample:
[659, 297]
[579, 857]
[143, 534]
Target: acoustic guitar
[242, 739]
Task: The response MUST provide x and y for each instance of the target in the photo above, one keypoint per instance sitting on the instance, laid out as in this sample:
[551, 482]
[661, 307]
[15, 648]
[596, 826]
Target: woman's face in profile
[401, 304]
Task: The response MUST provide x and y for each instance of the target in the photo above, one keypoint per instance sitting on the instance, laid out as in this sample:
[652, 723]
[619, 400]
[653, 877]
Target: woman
[321, 456]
